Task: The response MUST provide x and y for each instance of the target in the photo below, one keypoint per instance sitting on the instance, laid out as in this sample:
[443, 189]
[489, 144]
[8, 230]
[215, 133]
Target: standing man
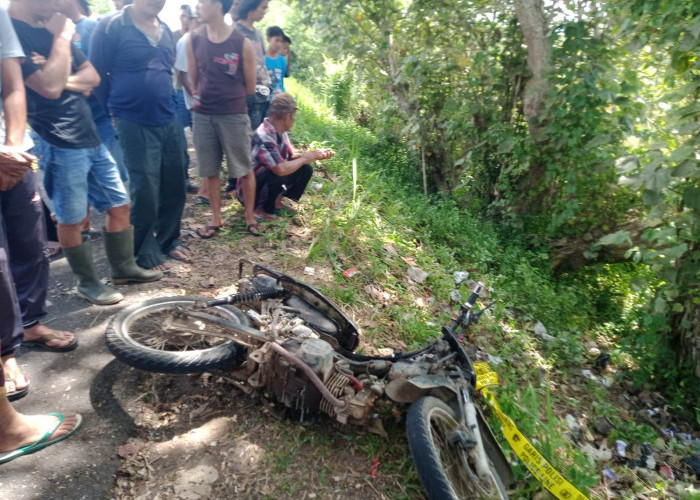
[275, 63]
[133, 52]
[221, 67]
[250, 12]
[77, 11]
[286, 52]
[77, 168]
[19, 434]
[184, 109]
[180, 85]
[21, 221]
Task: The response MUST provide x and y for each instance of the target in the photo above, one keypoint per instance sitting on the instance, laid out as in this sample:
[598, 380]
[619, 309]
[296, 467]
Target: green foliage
[441, 238]
[613, 164]
[634, 433]
[661, 167]
[101, 7]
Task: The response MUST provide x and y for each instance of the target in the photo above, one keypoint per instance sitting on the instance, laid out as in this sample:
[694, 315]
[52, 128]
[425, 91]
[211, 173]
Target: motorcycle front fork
[470, 421]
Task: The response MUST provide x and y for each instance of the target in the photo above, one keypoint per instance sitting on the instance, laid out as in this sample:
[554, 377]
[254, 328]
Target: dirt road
[84, 466]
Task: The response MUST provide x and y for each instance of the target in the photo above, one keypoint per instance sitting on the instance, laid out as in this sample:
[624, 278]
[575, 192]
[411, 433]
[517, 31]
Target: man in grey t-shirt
[250, 12]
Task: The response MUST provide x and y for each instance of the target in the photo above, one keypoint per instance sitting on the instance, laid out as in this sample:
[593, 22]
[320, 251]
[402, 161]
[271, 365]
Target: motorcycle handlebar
[475, 294]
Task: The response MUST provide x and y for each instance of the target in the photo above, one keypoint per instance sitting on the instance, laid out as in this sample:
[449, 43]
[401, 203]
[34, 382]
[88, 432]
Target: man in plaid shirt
[279, 170]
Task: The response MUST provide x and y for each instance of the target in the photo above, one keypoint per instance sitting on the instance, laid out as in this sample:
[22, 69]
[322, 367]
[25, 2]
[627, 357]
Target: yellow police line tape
[545, 473]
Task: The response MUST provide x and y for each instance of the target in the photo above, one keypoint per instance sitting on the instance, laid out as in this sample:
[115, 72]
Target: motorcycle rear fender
[408, 390]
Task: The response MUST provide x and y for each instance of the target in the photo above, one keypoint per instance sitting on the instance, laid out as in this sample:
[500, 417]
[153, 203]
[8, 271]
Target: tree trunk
[687, 326]
[533, 23]
[567, 254]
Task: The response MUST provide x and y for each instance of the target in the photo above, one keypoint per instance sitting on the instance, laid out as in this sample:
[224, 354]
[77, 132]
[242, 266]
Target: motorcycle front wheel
[157, 335]
[446, 468]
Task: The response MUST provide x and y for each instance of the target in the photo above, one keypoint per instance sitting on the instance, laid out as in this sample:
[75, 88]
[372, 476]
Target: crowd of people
[108, 103]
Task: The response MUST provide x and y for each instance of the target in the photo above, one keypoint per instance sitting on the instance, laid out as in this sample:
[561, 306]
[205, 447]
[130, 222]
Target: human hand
[316, 154]
[327, 153]
[319, 154]
[14, 163]
[38, 59]
[59, 25]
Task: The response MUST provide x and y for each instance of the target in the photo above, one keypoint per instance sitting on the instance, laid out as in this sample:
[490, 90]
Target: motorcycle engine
[288, 385]
[284, 383]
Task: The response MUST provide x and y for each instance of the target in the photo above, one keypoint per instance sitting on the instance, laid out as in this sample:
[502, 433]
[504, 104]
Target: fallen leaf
[409, 261]
[127, 449]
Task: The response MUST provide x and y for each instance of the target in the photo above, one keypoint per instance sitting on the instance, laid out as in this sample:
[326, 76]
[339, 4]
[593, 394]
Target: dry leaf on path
[409, 261]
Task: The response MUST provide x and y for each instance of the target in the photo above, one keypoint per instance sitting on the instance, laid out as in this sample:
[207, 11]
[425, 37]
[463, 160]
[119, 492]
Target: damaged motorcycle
[280, 339]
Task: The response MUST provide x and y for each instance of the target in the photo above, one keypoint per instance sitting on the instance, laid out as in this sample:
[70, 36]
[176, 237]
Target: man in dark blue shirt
[77, 168]
[77, 11]
[133, 51]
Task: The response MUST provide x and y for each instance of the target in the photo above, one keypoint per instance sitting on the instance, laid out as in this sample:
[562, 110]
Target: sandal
[179, 249]
[256, 229]
[43, 341]
[201, 200]
[17, 393]
[206, 234]
[164, 268]
[45, 439]
[53, 248]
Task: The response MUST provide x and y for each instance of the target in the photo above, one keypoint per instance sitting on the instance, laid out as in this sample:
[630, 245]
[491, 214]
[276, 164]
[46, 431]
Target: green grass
[371, 200]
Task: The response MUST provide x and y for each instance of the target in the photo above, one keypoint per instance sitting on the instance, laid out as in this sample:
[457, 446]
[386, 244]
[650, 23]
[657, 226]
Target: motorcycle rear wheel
[446, 470]
[138, 336]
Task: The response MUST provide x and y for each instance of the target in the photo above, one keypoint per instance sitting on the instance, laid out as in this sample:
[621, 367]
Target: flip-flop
[204, 234]
[42, 343]
[256, 229]
[15, 395]
[201, 200]
[180, 249]
[44, 441]
[285, 211]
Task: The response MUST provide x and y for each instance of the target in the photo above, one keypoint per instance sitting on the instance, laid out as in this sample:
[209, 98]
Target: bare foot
[14, 378]
[23, 430]
[38, 331]
[161, 267]
[179, 253]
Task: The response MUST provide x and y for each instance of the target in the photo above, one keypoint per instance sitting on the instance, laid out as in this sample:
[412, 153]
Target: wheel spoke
[457, 461]
[167, 328]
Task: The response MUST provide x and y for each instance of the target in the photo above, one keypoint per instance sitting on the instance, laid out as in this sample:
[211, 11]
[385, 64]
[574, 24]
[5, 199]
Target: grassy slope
[355, 222]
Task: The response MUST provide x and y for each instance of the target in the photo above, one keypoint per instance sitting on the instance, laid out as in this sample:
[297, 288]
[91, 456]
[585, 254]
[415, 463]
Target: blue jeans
[23, 240]
[23, 212]
[74, 177]
[108, 136]
[257, 109]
